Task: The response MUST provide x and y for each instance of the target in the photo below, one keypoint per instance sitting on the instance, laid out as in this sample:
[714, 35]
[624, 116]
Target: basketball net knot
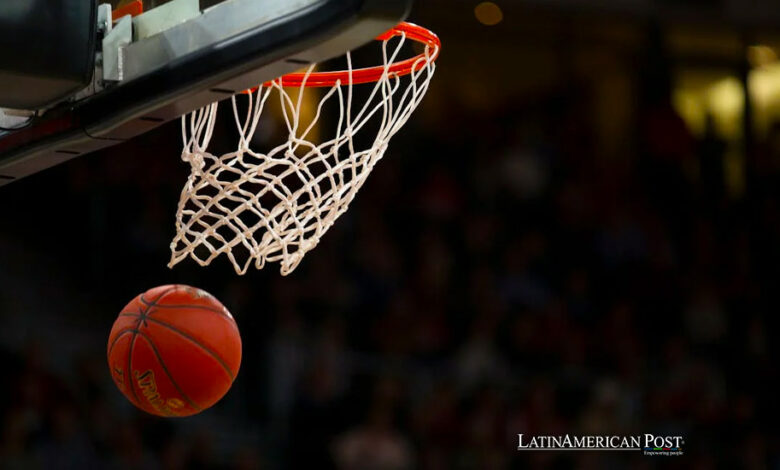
[196, 160]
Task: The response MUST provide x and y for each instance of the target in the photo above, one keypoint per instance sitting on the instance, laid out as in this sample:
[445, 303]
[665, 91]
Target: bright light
[760, 55]
[726, 102]
[488, 13]
[723, 99]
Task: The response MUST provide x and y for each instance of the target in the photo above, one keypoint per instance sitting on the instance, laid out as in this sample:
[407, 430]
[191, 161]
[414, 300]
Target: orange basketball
[174, 351]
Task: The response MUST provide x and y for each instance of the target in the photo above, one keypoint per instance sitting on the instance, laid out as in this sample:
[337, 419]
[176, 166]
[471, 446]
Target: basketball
[174, 351]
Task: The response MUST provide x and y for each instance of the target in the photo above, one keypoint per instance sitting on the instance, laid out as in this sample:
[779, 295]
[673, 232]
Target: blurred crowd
[497, 275]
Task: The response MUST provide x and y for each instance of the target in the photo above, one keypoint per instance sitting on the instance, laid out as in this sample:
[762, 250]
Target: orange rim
[133, 8]
[370, 74]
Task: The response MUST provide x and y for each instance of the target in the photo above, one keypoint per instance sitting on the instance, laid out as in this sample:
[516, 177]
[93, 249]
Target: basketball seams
[197, 307]
[167, 372]
[119, 334]
[163, 293]
[149, 306]
[154, 303]
[130, 377]
[194, 340]
[130, 355]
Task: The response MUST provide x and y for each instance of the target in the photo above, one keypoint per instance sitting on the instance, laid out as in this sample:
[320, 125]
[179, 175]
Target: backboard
[176, 57]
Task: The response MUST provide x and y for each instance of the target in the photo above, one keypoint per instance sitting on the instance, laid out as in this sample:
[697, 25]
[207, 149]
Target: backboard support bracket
[190, 63]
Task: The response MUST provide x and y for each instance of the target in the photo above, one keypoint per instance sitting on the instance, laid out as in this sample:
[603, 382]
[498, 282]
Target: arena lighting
[488, 13]
[724, 98]
[760, 55]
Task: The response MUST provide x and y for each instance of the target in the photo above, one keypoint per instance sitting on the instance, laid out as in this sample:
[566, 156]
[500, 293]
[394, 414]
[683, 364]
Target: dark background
[576, 233]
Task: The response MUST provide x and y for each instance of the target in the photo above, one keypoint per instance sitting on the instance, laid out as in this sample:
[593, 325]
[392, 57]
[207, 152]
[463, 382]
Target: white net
[258, 207]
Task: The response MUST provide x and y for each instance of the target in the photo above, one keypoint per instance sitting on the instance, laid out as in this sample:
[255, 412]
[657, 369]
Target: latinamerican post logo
[649, 444]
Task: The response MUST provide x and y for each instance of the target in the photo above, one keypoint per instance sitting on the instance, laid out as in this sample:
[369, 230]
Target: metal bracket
[114, 45]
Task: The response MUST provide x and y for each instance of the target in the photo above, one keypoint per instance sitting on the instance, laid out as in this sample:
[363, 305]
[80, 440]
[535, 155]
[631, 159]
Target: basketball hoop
[266, 207]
